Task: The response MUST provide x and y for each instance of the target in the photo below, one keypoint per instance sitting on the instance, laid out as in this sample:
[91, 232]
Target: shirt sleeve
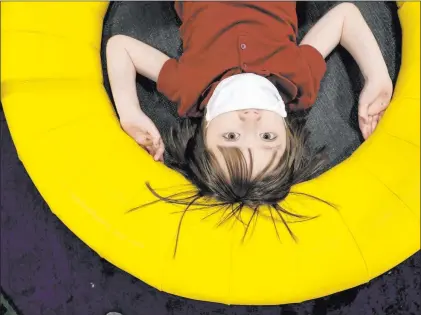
[317, 68]
[168, 80]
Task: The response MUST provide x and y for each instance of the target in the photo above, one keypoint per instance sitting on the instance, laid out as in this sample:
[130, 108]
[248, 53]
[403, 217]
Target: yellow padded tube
[90, 173]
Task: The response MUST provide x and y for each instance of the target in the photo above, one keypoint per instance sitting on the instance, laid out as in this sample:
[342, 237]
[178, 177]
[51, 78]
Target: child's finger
[363, 113]
[150, 149]
[362, 124]
[370, 121]
[364, 128]
[156, 141]
[155, 152]
[369, 126]
[374, 122]
[159, 154]
[366, 131]
[159, 158]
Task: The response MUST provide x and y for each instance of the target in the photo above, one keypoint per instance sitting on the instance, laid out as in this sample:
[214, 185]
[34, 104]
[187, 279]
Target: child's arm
[126, 57]
[345, 25]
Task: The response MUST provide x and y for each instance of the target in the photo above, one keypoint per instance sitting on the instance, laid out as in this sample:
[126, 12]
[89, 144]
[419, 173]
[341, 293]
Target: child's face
[261, 131]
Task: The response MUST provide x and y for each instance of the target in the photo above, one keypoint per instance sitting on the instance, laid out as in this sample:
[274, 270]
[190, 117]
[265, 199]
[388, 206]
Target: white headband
[244, 91]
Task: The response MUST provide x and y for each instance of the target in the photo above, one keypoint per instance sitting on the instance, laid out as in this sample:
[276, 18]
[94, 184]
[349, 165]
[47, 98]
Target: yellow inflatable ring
[90, 173]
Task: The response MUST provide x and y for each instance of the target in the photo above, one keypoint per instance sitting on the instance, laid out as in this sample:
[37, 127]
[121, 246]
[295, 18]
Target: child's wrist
[130, 114]
[376, 71]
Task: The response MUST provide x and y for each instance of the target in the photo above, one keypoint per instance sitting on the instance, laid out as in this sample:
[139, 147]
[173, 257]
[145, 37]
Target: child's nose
[249, 114]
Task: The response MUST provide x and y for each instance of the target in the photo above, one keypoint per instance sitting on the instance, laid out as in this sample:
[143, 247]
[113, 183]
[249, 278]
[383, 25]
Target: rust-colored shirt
[221, 39]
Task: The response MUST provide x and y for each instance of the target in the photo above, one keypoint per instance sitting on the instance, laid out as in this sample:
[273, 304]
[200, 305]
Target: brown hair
[212, 188]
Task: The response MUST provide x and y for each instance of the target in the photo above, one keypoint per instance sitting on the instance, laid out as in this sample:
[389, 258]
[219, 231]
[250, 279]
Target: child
[240, 79]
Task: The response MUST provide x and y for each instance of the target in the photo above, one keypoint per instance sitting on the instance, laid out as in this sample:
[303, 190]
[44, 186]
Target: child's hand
[141, 128]
[374, 100]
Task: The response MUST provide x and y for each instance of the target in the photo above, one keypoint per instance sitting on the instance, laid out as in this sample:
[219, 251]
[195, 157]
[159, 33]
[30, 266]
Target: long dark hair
[213, 188]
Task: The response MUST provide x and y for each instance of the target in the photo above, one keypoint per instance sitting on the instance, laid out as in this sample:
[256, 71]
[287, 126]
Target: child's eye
[231, 136]
[268, 136]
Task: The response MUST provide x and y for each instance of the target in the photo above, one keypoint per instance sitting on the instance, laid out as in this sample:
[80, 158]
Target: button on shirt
[221, 39]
